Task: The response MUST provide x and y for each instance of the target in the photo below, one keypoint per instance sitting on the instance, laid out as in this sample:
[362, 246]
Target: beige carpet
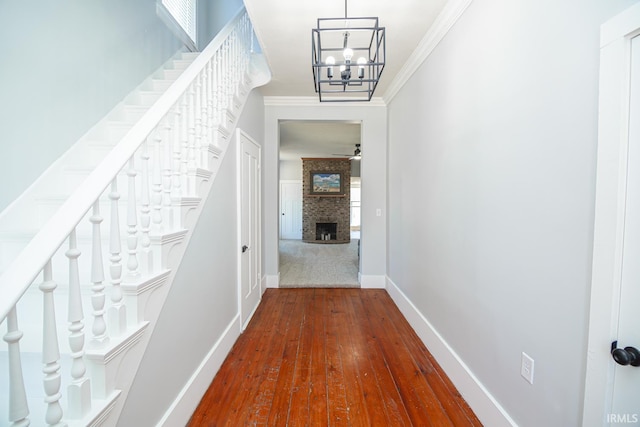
[318, 265]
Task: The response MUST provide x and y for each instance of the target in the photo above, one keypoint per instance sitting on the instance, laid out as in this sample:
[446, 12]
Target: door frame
[241, 138]
[613, 131]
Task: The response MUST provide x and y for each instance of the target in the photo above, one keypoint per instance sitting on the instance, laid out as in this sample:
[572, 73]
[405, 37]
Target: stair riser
[131, 113]
[145, 98]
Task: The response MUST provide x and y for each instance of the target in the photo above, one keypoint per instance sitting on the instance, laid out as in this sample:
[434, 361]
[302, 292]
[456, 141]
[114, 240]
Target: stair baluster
[79, 391]
[18, 408]
[145, 218]
[205, 123]
[176, 188]
[184, 144]
[99, 329]
[132, 223]
[198, 120]
[156, 181]
[50, 350]
[191, 140]
[118, 311]
[213, 97]
[220, 97]
[167, 213]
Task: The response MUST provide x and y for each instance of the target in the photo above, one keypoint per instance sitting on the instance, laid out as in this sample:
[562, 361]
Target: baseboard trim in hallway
[182, 408]
[488, 410]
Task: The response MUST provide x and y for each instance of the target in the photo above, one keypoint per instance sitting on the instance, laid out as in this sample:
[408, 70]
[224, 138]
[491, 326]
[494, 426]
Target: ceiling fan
[357, 154]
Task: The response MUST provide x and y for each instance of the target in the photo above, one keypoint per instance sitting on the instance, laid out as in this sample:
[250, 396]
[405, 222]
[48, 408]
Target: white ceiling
[283, 29]
[300, 138]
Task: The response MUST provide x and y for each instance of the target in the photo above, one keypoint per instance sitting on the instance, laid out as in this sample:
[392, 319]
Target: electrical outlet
[526, 368]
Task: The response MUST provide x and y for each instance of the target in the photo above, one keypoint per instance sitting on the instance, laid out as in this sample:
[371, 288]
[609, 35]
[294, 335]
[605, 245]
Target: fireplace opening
[326, 230]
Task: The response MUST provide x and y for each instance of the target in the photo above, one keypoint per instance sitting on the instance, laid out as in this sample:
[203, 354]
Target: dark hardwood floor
[325, 357]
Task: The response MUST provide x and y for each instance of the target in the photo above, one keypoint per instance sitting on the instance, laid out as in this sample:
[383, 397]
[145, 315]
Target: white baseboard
[370, 281]
[189, 397]
[273, 280]
[486, 408]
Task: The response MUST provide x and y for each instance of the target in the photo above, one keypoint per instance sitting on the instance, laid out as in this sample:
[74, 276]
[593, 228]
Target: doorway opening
[309, 263]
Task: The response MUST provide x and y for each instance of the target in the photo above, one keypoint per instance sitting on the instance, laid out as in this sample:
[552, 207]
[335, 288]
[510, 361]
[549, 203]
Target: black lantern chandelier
[348, 56]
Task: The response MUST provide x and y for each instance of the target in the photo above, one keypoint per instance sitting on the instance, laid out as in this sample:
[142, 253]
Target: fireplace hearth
[326, 231]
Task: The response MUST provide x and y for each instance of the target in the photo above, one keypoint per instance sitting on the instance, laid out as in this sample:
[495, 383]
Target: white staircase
[89, 252]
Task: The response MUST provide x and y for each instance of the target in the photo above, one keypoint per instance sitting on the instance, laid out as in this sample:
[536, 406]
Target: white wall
[291, 170]
[373, 172]
[491, 195]
[212, 16]
[65, 64]
[203, 300]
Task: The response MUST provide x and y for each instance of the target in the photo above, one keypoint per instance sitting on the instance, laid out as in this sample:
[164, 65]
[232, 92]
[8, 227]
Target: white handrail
[30, 262]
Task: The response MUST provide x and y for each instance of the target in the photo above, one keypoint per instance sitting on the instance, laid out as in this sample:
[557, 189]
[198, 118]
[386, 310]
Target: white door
[249, 226]
[612, 391]
[626, 390]
[291, 209]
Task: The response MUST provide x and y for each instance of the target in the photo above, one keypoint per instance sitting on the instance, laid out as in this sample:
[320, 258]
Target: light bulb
[330, 61]
[361, 62]
[348, 54]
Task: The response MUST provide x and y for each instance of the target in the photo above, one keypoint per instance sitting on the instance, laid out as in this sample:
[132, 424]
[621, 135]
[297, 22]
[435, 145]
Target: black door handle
[244, 248]
[625, 356]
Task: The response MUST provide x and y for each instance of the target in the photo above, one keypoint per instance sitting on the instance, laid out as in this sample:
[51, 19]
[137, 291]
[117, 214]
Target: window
[180, 16]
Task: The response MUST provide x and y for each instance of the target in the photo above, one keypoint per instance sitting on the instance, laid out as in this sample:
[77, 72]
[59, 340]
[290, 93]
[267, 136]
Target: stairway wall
[74, 61]
[203, 300]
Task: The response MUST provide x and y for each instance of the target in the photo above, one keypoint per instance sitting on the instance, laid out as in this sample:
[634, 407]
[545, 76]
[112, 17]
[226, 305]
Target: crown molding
[312, 101]
[452, 11]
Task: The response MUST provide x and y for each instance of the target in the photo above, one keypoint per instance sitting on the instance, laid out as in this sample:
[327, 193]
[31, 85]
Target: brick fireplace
[326, 217]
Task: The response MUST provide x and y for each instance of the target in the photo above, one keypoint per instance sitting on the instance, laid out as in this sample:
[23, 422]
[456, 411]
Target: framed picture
[326, 184]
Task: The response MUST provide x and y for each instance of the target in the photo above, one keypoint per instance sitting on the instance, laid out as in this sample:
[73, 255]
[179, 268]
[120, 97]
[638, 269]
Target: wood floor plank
[455, 406]
[338, 357]
[299, 400]
[356, 405]
[420, 401]
[338, 409]
[282, 393]
[318, 412]
[371, 393]
[263, 387]
[230, 372]
[252, 372]
[391, 400]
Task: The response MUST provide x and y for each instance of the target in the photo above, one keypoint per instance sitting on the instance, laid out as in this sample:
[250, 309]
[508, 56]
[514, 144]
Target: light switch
[378, 212]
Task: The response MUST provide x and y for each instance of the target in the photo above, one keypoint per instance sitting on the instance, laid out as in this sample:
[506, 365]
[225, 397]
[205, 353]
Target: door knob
[244, 248]
[625, 356]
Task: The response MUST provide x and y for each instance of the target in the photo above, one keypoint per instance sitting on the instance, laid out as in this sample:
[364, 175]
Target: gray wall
[491, 214]
[204, 297]
[65, 63]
